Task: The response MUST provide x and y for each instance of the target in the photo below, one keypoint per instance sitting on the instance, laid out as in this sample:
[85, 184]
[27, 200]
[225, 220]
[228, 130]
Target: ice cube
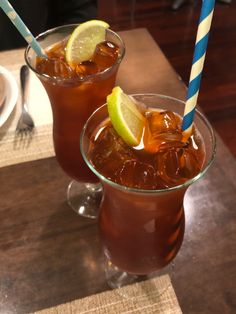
[175, 142]
[105, 54]
[162, 121]
[110, 152]
[177, 165]
[86, 68]
[137, 174]
[57, 51]
[162, 127]
[54, 68]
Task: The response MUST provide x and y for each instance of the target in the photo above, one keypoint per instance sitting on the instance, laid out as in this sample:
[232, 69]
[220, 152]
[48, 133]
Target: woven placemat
[16, 149]
[147, 300]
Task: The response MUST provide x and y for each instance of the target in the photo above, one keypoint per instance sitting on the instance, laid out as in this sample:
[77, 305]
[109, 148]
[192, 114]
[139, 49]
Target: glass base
[118, 279]
[84, 198]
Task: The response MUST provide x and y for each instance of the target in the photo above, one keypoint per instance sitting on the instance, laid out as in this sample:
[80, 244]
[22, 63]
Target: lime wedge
[82, 42]
[125, 117]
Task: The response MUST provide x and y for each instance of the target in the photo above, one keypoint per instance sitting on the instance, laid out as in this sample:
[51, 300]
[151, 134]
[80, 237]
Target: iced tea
[75, 92]
[142, 217]
[161, 160]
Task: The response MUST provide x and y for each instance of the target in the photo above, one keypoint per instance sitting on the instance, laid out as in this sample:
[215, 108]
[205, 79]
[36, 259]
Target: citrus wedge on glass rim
[125, 117]
[83, 40]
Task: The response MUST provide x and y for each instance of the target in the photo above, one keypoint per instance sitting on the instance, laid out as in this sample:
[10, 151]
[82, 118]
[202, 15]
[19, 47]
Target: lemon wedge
[83, 40]
[125, 117]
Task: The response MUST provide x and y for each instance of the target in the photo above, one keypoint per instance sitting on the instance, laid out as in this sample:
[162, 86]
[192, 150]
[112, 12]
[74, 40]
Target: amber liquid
[74, 94]
[143, 232]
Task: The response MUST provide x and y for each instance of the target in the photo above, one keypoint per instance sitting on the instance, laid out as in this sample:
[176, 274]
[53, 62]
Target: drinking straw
[21, 27]
[197, 65]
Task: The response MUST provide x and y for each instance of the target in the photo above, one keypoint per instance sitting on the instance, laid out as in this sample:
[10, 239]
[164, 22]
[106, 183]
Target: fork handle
[24, 79]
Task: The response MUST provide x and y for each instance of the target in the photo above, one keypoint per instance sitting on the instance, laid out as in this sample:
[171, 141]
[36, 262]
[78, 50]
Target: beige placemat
[16, 149]
[147, 300]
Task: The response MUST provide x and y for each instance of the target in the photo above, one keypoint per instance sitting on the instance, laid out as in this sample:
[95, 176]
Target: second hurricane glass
[72, 101]
[142, 230]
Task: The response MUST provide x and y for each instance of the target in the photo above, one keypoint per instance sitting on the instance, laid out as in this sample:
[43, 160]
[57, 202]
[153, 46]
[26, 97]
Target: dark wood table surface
[49, 255]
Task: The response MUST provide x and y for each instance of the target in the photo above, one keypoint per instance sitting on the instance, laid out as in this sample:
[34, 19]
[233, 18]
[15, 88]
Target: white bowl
[11, 95]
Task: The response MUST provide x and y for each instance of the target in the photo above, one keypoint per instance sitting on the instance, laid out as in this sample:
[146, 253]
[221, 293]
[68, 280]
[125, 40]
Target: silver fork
[25, 123]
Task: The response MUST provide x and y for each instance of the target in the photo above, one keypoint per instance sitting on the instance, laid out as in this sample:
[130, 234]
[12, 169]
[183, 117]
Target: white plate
[11, 95]
[2, 90]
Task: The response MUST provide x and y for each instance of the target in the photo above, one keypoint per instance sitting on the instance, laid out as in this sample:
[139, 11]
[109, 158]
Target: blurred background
[173, 30]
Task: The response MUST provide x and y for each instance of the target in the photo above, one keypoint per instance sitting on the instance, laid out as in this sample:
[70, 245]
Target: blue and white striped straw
[197, 65]
[21, 27]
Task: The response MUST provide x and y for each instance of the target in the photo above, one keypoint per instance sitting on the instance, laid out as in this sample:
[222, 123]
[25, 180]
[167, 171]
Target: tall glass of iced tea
[142, 218]
[74, 94]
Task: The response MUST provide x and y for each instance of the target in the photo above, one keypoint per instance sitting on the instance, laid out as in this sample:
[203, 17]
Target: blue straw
[21, 27]
[197, 64]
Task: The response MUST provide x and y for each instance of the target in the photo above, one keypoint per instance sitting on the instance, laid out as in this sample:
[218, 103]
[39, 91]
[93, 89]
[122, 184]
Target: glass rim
[144, 191]
[77, 79]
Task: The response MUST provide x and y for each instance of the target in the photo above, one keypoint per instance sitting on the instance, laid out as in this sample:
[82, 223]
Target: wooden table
[49, 255]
